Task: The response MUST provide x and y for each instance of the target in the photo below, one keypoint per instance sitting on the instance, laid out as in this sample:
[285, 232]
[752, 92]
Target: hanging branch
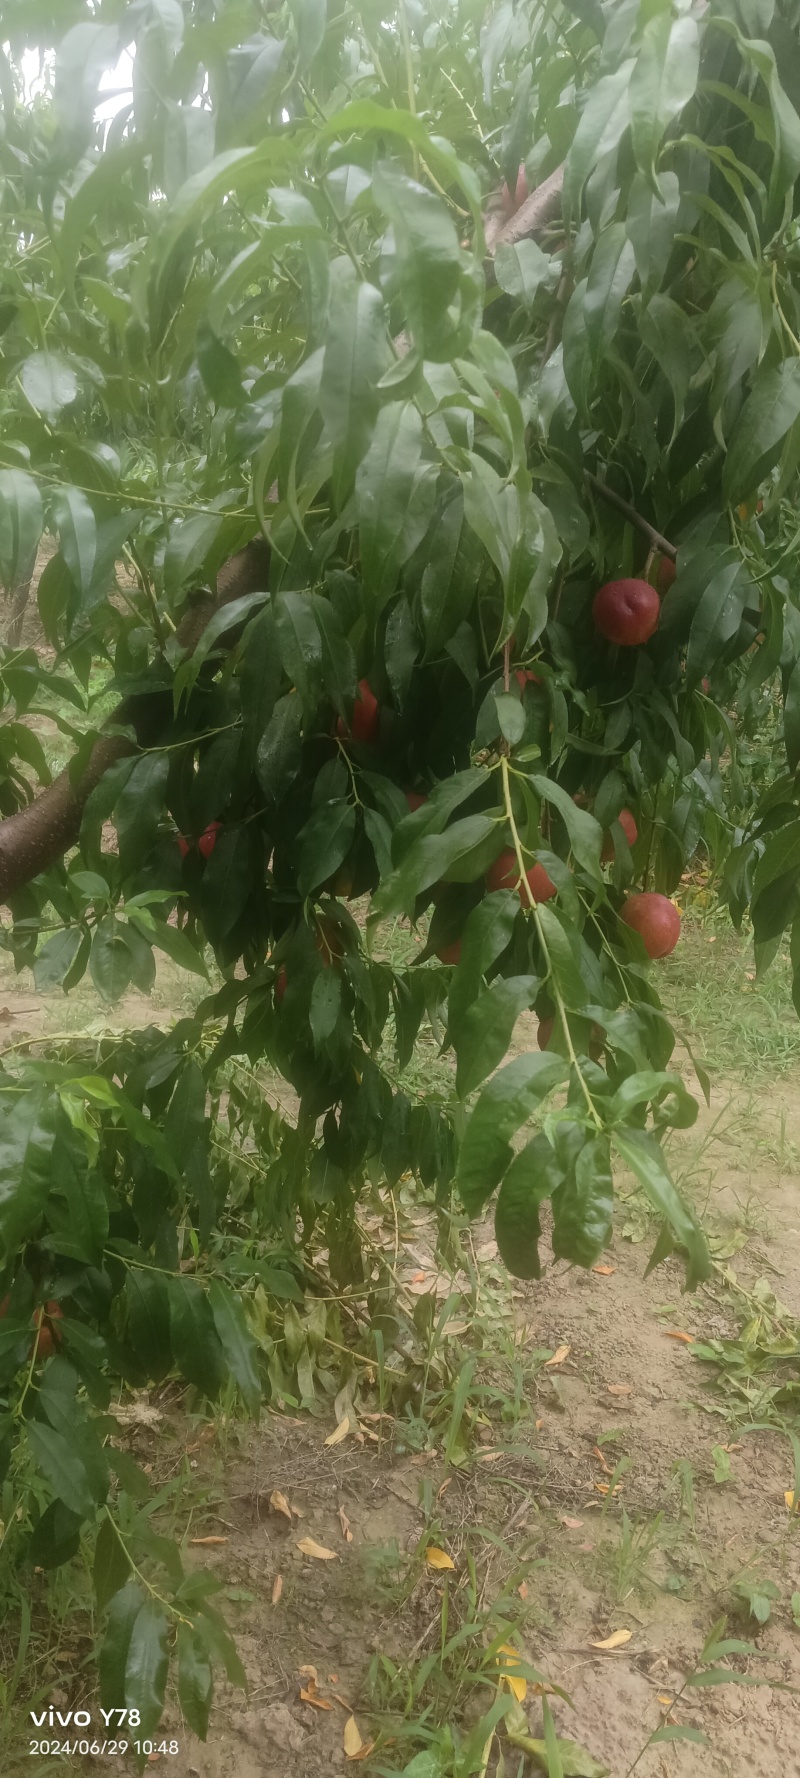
[634, 518]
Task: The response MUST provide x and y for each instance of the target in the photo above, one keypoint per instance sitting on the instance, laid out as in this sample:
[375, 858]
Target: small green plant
[757, 1594]
[723, 1471]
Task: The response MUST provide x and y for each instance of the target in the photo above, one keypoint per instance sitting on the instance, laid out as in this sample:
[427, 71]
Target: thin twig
[634, 518]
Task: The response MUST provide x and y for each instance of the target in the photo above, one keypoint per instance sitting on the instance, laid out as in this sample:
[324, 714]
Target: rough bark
[44, 830]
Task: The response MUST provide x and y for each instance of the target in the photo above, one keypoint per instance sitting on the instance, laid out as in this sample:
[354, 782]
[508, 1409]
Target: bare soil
[535, 1489]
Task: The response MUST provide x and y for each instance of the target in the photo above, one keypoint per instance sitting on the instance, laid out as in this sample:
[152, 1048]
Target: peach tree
[410, 403]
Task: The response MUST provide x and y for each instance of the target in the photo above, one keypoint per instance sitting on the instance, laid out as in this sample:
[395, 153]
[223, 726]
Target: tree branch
[634, 518]
[46, 828]
[539, 208]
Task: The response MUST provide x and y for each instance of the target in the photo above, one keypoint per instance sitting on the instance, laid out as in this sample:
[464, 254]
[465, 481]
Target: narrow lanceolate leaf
[324, 843]
[602, 124]
[60, 1463]
[113, 1657]
[394, 496]
[481, 1038]
[27, 1133]
[504, 1105]
[662, 82]
[583, 1206]
[111, 1564]
[237, 1342]
[461, 854]
[356, 355]
[195, 1341]
[195, 1680]
[147, 1665]
[642, 1153]
[770, 409]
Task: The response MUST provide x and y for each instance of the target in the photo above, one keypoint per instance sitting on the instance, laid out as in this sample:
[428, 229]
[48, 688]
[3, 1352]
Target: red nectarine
[666, 574]
[504, 874]
[627, 611]
[630, 830]
[208, 839]
[366, 716]
[657, 921]
[450, 953]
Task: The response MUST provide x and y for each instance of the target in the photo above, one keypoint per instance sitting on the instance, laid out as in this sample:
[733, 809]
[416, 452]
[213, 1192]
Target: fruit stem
[554, 988]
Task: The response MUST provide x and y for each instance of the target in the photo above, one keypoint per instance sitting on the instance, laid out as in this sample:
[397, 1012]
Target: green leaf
[147, 1665]
[238, 1345]
[186, 1118]
[395, 493]
[651, 219]
[486, 935]
[148, 1325]
[113, 1656]
[56, 958]
[280, 750]
[771, 408]
[663, 81]
[521, 270]
[110, 962]
[584, 832]
[610, 276]
[21, 520]
[460, 854]
[170, 939]
[195, 1678]
[428, 256]
[643, 1155]
[505, 1103]
[195, 1341]
[356, 354]
[56, 1538]
[583, 1206]
[679, 1732]
[50, 383]
[299, 643]
[61, 1465]
[87, 1206]
[482, 1037]
[111, 1565]
[138, 807]
[325, 841]
[535, 1173]
[602, 124]
[77, 528]
[326, 1001]
[450, 577]
[27, 1132]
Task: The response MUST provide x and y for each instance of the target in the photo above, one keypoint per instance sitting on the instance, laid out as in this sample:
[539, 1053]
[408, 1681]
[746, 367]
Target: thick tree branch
[44, 830]
[634, 518]
[539, 208]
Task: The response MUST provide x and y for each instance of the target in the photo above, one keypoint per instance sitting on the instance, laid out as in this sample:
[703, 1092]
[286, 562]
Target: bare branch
[539, 208]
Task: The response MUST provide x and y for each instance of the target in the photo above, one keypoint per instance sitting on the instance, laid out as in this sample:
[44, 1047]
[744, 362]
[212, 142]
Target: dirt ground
[527, 1504]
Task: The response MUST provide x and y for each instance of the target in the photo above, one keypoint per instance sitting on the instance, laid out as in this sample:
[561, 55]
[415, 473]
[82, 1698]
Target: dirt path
[551, 1568]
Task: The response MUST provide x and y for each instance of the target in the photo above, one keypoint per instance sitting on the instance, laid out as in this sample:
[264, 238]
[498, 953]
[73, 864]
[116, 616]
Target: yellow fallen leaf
[308, 1547]
[352, 1738]
[438, 1558]
[604, 1271]
[208, 1540]
[277, 1588]
[620, 1388]
[308, 1672]
[674, 1333]
[616, 1640]
[280, 1504]
[335, 1438]
[558, 1357]
[792, 1504]
[663, 1699]
[309, 1696]
[345, 1524]
[509, 1671]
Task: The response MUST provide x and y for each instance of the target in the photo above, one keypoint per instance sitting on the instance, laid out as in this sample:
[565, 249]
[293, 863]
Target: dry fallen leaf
[620, 1388]
[571, 1524]
[603, 1487]
[345, 1524]
[596, 1452]
[208, 1540]
[792, 1504]
[280, 1504]
[277, 1588]
[308, 1547]
[558, 1357]
[445, 1485]
[310, 1695]
[523, 1589]
[352, 1738]
[335, 1438]
[509, 1671]
[604, 1271]
[616, 1640]
[438, 1558]
[308, 1672]
[333, 1679]
[674, 1333]
[539, 1424]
